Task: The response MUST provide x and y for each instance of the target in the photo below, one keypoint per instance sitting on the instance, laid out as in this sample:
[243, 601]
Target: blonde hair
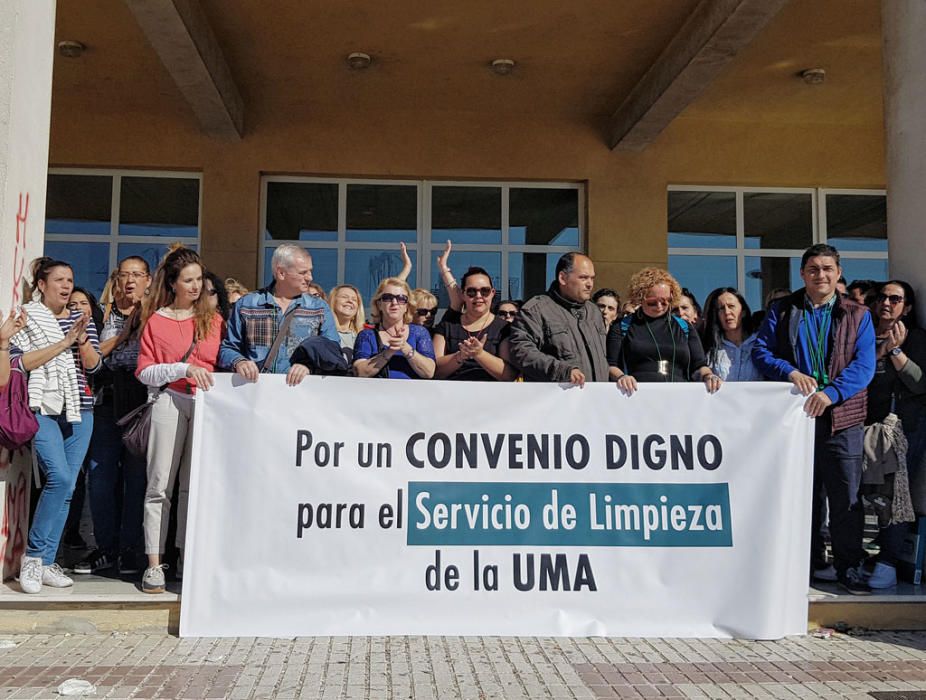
[410, 308]
[356, 323]
[233, 286]
[423, 299]
[649, 277]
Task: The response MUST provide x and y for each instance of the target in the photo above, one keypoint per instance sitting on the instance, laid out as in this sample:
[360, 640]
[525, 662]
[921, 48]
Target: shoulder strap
[625, 323]
[683, 324]
[275, 348]
[186, 356]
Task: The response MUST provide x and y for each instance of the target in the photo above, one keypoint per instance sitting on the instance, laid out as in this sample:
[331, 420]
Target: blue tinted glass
[159, 206]
[777, 220]
[90, 262]
[702, 219]
[529, 274]
[324, 267]
[864, 269]
[78, 204]
[766, 274]
[382, 213]
[466, 214]
[543, 216]
[302, 211]
[151, 252]
[857, 222]
[365, 269]
[702, 274]
[460, 262]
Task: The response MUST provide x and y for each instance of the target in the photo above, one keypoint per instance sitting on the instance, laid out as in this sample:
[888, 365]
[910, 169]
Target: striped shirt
[83, 387]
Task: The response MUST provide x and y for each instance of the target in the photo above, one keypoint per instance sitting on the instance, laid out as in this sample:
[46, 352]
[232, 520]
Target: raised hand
[443, 259]
[14, 323]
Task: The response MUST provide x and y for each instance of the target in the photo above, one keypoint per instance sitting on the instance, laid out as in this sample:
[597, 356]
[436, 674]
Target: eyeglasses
[892, 298]
[397, 298]
[132, 275]
[472, 292]
[317, 295]
[426, 312]
[656, 301]
[212, 292]
[507, 314]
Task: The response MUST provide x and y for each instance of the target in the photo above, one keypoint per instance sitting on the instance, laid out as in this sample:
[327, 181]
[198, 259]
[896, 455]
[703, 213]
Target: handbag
[18, 425]
[136, 424]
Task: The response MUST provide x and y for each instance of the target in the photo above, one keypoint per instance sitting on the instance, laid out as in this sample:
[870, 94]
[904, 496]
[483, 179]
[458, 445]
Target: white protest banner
[369, 507]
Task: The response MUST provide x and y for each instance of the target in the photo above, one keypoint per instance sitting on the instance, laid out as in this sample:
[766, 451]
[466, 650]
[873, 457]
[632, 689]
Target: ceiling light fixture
[359, 61]
[813, 76]
[71, 49]
[502, 66]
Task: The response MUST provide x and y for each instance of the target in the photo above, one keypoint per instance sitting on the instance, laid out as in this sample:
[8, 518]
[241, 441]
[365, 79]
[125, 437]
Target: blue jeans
[60, 447]
[837, 476]
[116, 482]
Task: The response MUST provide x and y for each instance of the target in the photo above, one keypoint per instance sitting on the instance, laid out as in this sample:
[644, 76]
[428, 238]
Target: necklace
[479, 332]
[662, 366]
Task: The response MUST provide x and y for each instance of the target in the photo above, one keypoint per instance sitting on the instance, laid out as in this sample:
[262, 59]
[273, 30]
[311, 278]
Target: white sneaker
[153, 579]
[30, 574]
[54, 576]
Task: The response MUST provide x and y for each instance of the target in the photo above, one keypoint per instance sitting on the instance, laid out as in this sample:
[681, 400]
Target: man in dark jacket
[825, 346]
[559, 336]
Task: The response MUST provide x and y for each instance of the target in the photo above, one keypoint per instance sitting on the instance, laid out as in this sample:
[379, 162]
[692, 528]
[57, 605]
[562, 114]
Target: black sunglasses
[507, 314]
[426, 312]
[387, 297]
[893, 298]
[484, 292]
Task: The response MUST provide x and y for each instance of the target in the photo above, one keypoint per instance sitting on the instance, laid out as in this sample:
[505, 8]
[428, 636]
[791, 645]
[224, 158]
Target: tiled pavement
[159, 666]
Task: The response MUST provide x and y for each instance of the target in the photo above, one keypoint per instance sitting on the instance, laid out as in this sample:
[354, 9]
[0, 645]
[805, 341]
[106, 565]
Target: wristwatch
[894, 352]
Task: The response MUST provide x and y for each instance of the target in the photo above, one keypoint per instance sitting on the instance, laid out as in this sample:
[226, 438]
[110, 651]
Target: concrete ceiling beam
[180, 34]
[712, 35]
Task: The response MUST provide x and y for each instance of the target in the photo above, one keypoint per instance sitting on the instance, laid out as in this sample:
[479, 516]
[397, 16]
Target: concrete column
[904, 61]
[27, 45]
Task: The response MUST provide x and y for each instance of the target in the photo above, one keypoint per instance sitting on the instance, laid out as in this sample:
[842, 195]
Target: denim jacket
[255, 320]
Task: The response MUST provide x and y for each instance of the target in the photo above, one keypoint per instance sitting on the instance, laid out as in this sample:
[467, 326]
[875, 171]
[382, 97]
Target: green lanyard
[816, 346]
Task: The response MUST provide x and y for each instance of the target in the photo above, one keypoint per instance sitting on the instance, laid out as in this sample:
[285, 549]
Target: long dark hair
[96, 313]
[162, 292]
[712, 336]
[909, 300]
[220, 291]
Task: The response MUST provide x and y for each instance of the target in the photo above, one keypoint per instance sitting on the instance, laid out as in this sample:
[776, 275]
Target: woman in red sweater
[179, 345]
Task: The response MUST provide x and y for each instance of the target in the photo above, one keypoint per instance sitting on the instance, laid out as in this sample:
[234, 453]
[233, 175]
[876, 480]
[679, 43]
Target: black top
[887, 383]
[651, 340]
[454, 334]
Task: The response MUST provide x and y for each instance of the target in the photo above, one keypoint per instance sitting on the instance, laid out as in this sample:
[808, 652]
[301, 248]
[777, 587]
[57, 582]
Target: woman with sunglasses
[898, 387]
[395, 348]
[475, 348]
[652, 345]
[508, 310]
[425, 305]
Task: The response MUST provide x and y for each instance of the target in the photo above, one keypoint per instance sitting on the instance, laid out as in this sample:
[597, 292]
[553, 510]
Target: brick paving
[159, 666]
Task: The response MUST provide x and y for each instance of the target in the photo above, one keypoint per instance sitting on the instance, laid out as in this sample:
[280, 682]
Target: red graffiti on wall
[15, 517]
[19, 253]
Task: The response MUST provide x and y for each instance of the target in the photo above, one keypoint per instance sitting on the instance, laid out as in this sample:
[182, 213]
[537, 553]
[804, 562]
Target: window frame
[113, 238]
[818, 197]
[425, 249]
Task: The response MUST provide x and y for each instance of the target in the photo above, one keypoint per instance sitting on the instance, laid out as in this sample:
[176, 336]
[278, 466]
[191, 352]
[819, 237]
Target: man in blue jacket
[825, 346]
[256, 319]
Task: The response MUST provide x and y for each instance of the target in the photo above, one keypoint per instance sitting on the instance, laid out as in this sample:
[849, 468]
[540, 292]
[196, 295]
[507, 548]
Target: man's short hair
[567, 263]
[285, 256]
[864, 286]
[819, 250]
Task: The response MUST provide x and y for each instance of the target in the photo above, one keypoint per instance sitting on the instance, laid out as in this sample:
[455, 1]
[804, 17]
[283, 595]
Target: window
[353, 229]
[753, 238]
[94, 218]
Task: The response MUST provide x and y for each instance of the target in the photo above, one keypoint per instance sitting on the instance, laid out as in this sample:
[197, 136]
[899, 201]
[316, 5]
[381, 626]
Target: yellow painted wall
[626, 192]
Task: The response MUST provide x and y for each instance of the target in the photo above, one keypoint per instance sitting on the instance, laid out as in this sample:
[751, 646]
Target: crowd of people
[854, 351]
